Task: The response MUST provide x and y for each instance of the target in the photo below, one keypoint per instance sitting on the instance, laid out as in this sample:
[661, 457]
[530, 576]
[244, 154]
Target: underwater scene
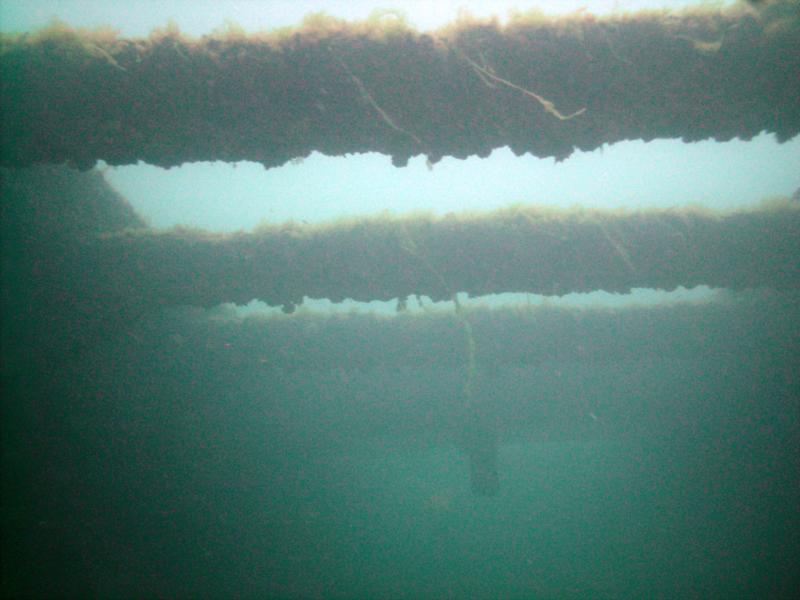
[450, 300]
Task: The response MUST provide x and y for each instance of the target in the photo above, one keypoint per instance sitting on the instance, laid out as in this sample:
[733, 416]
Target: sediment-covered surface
[539, 85]
[516, 250]
[78, 264]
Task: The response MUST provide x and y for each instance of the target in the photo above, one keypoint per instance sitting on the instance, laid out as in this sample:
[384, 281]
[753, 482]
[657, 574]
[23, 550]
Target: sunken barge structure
[539, 85]
[107, 323]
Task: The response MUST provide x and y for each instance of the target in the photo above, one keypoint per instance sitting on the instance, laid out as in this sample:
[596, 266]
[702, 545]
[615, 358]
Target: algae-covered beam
[522, 249]
[539, 85]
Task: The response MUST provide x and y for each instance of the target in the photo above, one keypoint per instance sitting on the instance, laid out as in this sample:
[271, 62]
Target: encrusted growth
[167, 99]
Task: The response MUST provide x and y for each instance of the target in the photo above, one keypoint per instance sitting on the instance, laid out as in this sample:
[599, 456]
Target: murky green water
[156, 473]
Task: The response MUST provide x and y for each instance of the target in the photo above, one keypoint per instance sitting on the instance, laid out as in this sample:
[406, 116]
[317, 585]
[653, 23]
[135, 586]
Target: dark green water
[146, 470]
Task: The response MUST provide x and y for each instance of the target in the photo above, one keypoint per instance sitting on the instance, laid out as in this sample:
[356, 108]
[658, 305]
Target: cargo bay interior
[399, 405]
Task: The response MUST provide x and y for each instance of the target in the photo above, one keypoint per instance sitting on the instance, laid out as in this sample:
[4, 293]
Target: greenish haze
[154, 453]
